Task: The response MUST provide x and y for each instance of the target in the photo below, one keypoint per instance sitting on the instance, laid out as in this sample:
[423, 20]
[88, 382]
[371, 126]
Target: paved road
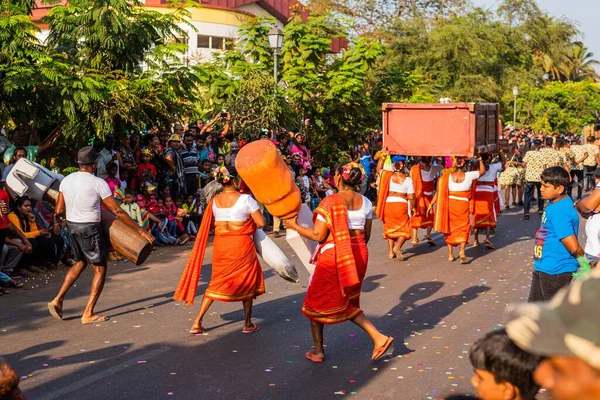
[435, 309]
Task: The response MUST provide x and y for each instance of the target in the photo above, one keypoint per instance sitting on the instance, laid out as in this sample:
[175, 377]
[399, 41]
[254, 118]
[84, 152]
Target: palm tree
[581, 65]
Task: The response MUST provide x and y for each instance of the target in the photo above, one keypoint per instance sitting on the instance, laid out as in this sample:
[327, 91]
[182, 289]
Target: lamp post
[276, 43]
[515, 94]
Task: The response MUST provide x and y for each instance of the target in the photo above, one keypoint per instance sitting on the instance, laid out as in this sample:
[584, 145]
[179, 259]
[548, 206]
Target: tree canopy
[112, 65]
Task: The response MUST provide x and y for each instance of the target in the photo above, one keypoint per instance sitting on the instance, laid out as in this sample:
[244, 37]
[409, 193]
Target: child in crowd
[146, 172]
[136, 213]
[193, 219]
[555, 247]
[114, 183]
[502, 369]
[175, 226]
[205, 173]
[304, 185]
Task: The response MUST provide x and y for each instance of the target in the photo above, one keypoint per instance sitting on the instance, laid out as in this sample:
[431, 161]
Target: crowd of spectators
[158, 178]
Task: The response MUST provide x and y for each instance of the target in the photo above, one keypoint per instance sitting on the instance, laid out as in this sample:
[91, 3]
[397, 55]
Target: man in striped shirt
[190, 163]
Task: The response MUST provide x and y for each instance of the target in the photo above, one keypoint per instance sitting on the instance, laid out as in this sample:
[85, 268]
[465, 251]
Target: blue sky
[584, 13]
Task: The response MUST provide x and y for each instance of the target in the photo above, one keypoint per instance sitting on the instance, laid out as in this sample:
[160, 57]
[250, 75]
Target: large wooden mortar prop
[265, 172]
[29, 178]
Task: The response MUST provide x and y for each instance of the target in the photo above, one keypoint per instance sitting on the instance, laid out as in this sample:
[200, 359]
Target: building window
[215, 42]
[203, 42]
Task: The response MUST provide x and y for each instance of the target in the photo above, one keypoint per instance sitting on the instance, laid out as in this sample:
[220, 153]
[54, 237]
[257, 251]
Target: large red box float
[440, 129]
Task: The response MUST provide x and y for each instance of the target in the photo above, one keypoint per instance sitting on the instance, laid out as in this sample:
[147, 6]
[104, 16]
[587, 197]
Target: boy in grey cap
[567, 331]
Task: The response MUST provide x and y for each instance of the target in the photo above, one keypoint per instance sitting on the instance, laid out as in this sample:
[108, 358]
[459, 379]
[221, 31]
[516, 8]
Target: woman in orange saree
[423, 176]
[395, 205]
[236, 272]
[453, 204]
[486, 197]
[342, 226]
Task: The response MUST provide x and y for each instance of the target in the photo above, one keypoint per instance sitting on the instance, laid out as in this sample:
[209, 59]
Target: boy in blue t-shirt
[556, 247]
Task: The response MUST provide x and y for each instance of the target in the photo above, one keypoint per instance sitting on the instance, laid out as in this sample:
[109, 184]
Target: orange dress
[424, 196]
[395, 216]
[453, 212]
[333, 295]
[485, 215]
[236, 272]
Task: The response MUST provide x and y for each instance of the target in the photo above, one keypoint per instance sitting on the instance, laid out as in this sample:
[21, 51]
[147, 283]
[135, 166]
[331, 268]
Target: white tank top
[240, 211]
[407, 187]
[357, 218]
[465, 185]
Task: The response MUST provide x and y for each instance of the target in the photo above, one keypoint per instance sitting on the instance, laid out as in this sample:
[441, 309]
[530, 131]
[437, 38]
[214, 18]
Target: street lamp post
[276, 43]
[515, 94]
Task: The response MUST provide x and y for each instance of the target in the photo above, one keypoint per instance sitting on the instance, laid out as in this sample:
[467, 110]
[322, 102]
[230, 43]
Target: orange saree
[394, 215]
[236, 272]
[423, 196]
[333, 295]
[484, 215]
[453, 211]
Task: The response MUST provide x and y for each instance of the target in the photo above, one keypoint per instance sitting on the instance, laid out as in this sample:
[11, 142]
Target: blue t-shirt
[560, 220]
[367, 162]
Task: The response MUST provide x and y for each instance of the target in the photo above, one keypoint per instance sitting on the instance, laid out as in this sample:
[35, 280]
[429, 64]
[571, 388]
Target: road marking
[57, 394]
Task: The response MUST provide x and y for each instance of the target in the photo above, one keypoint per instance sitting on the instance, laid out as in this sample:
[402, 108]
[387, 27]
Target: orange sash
[415, 175]
[442, 207]
[335, 212]
[384, 190]
[188, 284]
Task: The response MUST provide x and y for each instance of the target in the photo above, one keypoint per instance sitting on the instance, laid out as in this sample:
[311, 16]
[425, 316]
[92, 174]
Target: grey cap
[568, 325]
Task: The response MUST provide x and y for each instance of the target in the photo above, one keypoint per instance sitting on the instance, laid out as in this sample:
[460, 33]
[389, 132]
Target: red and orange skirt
[324, 301]
[236, 271]
[396, 222]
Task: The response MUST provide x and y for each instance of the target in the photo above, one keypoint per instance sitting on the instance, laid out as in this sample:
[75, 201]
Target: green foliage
[107, 66]
[557, 107]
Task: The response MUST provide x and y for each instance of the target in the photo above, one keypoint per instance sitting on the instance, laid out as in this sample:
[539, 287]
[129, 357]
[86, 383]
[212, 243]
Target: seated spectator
[565, 330]
[502, 369]
[43, 247]
[175, 226]
[46, 219]
[142, 217]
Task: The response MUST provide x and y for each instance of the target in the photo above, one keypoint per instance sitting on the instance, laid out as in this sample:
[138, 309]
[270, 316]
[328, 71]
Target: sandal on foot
[489, 245]
[430, 241]
[316, 359]
[95, 319]
[197, 331]
[391, 256]
[255, 328]
[463, 259]
[383, 350]
[55, 311]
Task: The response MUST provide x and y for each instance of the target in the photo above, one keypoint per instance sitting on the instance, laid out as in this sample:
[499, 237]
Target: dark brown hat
[87, 155]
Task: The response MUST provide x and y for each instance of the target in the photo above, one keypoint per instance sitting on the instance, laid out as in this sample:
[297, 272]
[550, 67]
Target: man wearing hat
[80, 197]
[567, 331]
[176, 173]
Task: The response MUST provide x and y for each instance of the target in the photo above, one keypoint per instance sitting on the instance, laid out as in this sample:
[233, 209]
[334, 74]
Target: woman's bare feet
[398, 253]
[92, 319]
[197, 328]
